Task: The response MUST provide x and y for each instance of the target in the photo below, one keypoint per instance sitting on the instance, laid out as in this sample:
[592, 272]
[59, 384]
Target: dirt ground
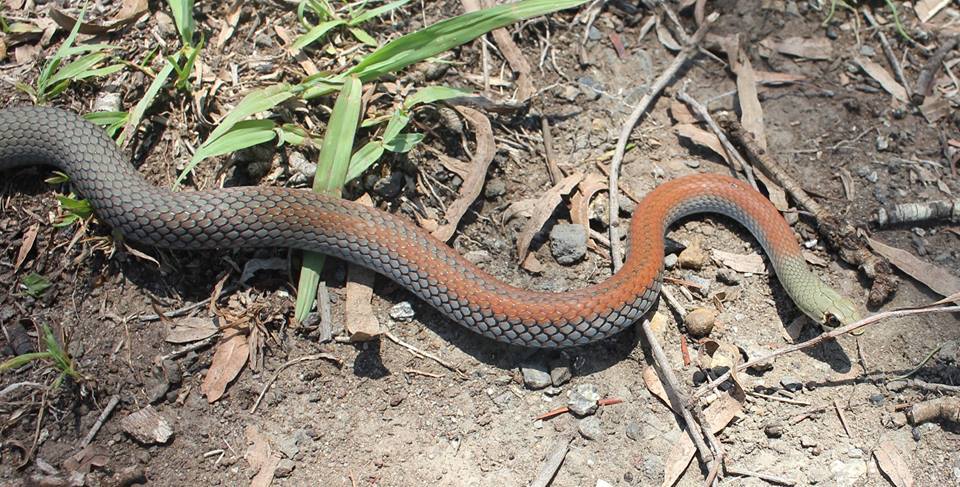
[389, 418]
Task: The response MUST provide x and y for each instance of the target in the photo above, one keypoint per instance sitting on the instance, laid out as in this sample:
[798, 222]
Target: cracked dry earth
[390, 418]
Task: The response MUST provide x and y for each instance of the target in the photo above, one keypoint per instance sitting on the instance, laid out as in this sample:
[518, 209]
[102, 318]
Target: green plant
[329, 20]
[75, 211]
[54, 353]
[890, 4]
[55, 76]
[34, 284]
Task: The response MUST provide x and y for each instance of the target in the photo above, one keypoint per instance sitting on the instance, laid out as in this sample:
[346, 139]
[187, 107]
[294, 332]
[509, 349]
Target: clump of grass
[890, 5]
[54, 354]
[330, 20]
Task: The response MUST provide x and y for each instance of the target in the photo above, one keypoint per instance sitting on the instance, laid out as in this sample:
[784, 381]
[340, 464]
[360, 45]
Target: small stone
[868, 50]
[729, 277]
[753, 350]
[692, 257]
[402, 311]
[883, 143]
[670, 261]
[603, 483]
[478, 256]
[535, 375]
[899, 419]
[288, 446]
[773, 430]
[390, 186]
[652, 466]
[583, 400]
[846, 473]
[634, 431]
[284, 468]
[569, 93]
[503, 400]
[700, 321]
[791, 383]
[494, 188]
[832, 33]
[568, 242]
[949, 352]
[702, 285]
[807, 441]
[590, 88]
[589, 428]
[594, 34]
[915, 433]
[692, 163]
[560, 373]
[876, 399]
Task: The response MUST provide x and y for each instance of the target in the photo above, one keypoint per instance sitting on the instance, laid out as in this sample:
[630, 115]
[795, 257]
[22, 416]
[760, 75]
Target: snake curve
[282, 217]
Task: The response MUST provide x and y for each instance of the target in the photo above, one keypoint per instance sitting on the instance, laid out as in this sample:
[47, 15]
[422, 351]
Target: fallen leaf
[934, 277]
[665, 37]
[819, 48]
[229, 359]
[776, 193]
[83, 460]
[580, 201]
[190, 329]
[882, 76]
[359, 319]
[701, 137]
[893, 465]
[681, 113]
[934, 108]
[253, 266]
[746, 263]
[751, 112]
[473, 183]
[652, 381]
[129, 12]
[28, 240]
[542, 211]
[261, 457]
[926, 9]
[717, 415]
[774, 78]
[229, 25]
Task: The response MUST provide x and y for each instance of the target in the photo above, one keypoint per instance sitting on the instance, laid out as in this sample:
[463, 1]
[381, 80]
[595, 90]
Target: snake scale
[282, 217]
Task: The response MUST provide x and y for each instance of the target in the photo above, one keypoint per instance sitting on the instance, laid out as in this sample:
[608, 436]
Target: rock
[791, 383]
[560, 372]
[754, 350]
[948, 351]
[503, 400]
[284, 468]
[535, 375]
[692, 257]
[652, 466]
[847, 473]
[702, 285]
[494, 188]
[590, 88]
[589, 428]
[402, 311]
[634, 431]
[568, 242]
[670, 261]
[728, 276]
[288, 446]
[594, 34]
[807, 441]
[876, 399]
[883, 143]
[773, 430]
[582, 400]
[390, 186]
[569, 93]
[700, 321]
[603, 483]
[147, 426]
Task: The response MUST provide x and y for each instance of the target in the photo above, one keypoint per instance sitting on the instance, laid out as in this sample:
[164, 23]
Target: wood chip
[543, 209]
[147, 426]
[228, 360]
[29, 238]
[934, 277]
[934, 108]
[261, 457]
[926, 9]
[359, 319]
[892, 465]
[818, 48]
[473, 183]
[745, 263]
[666, 38]
[190, 329]
[882, 76]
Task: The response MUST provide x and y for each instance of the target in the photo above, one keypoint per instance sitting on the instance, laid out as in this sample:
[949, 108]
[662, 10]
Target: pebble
[284, 468]
[807, 441]
[594, 34]
[634, 431]
[847, 473]
[700, 321]
[603, 483]
[868, 51]
[728, 276]
[876, 399]
[569, 93]
[390, 186]
[589, 428]
[949, 351]
[560, 372]
[791, 383]
[478, 256]
[703, 284]
[402, 311]
[582, 400]
[568, 242]
[503, 400]
[774, 430]
[670, 261]
[494, 188]
[692, 257]
[535, 375]
[590, 88]
[883, 143]
[692, 163]
[754, 350]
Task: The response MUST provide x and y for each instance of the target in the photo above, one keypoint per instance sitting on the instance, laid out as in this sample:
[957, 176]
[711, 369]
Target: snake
[260, 216]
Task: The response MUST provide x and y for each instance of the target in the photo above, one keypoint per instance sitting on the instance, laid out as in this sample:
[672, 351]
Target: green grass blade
[363, 37]
[432, 94]
[403, 142]
[450, 33]
[255, 102]
[140, 109]
[23, 359]
[314, 34]
[183, 17]
[364, 158]
[376, 12]
[247, 133]
[331, 175]
[34, 284]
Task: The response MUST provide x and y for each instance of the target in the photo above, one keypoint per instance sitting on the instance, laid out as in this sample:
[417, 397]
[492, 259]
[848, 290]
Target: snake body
[395, 248]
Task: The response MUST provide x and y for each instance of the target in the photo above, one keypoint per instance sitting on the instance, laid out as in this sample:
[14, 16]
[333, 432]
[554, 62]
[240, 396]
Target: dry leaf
[883, 77]
[774, 78]
[718, 415]
[510, 51]
[91, 456]
[542, 211]
[229, 359]
[776, 193]
[261, 457]
[819, 48]
[934, 277]
[893, 465]
[28, 240]
[701, 137]
[926, 9]
[751, 113]
[652, 381]
[253, 266]
[190, 329]
[229, 25]
[934, 108]
[580, 201]
[473, 183]
[666, 38]
[847, 180]
[358, 317]
[129, 12]
[681, 113]
[747, 263]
